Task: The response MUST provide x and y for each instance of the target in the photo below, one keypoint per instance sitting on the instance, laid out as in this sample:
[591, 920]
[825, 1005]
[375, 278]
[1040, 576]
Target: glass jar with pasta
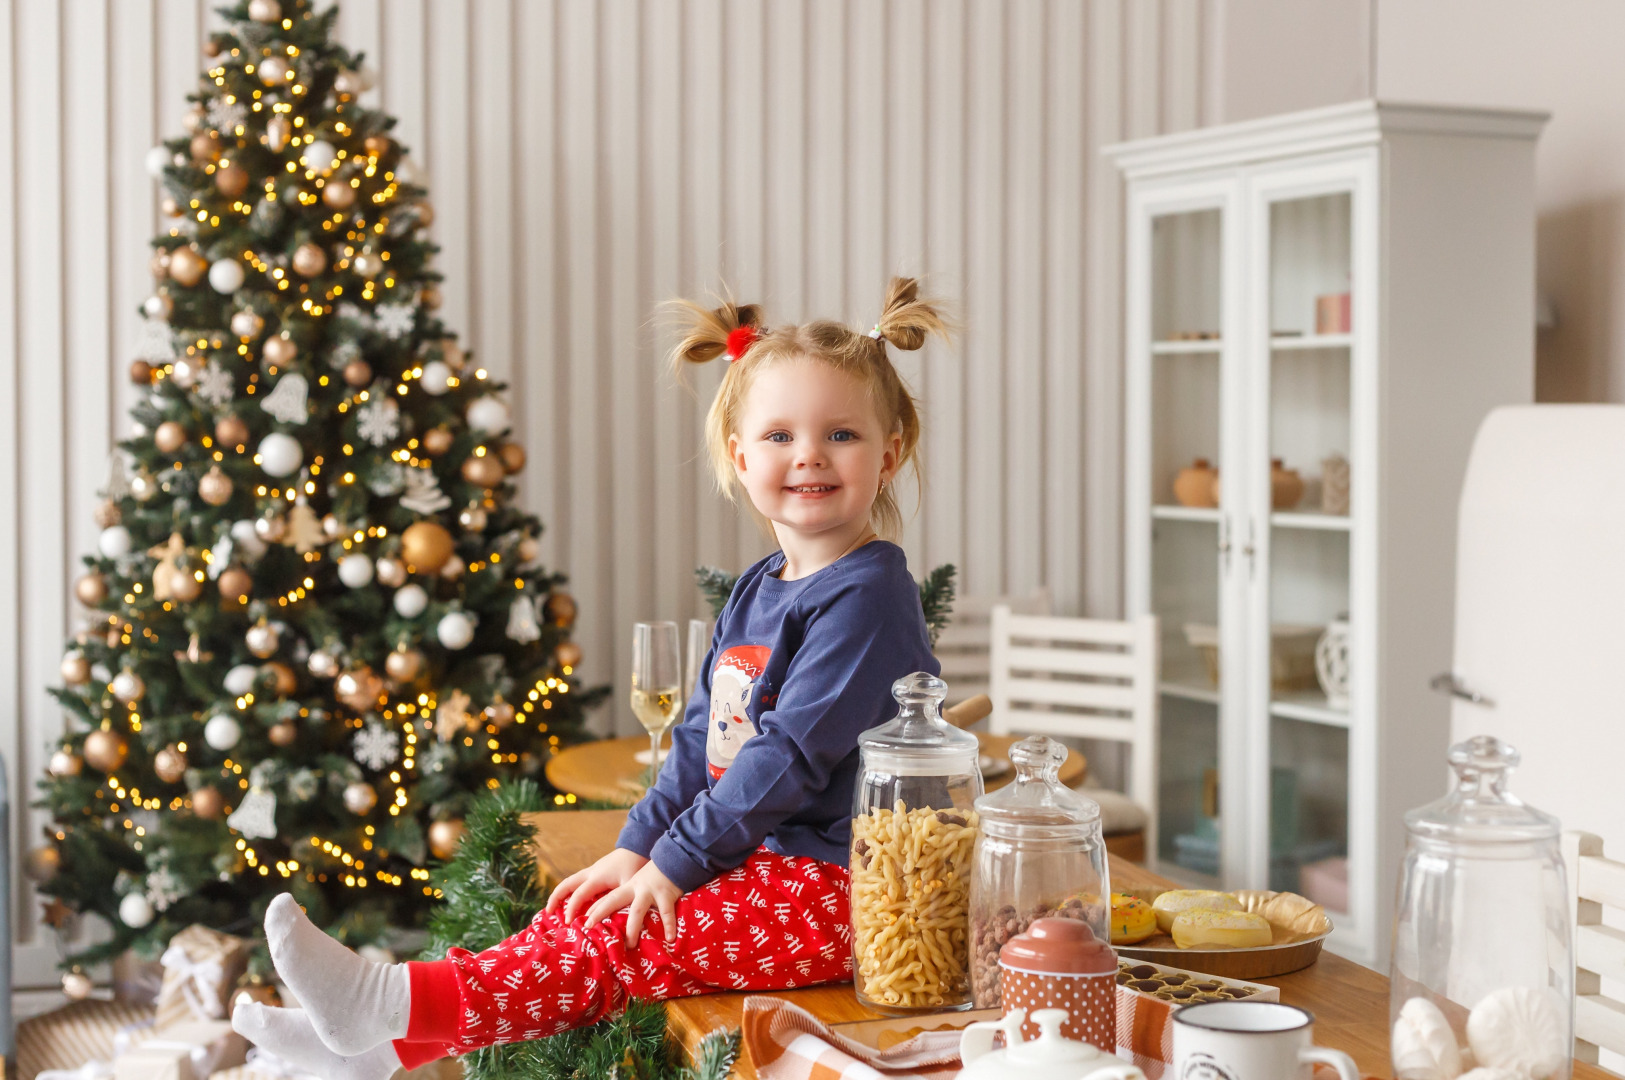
[1041, 854]
[913, 836]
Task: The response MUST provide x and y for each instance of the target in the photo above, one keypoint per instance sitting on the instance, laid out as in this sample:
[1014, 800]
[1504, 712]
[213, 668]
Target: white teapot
[1048, 1057]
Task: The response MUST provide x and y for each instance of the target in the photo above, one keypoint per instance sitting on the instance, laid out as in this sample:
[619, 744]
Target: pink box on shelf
[1326, 883]
[1332, 314]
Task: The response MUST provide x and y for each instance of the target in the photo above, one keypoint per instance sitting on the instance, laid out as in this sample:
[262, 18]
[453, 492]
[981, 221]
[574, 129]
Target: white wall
[588, 159]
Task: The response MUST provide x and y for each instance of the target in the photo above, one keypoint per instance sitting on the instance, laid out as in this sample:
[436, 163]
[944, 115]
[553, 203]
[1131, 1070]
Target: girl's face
[810, 450]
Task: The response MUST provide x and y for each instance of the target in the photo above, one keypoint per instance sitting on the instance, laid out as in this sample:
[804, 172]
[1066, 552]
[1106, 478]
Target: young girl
[731, 872]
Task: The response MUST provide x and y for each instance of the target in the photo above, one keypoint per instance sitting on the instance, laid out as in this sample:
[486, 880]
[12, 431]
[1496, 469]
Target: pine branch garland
[937, 594]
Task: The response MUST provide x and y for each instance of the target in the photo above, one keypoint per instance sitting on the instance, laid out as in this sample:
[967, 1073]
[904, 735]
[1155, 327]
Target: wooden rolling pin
[969, 711]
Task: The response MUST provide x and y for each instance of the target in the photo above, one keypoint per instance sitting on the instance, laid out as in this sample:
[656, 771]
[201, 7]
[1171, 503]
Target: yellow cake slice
[1225, 929]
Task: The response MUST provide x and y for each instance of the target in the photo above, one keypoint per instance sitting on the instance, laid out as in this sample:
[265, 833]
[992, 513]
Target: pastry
[1521, 1029]
[1227, 929]
[1424, 1046]
[1132, 919]
[1169, 904]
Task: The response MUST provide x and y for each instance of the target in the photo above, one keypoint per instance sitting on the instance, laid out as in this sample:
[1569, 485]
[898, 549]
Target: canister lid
[918, 733]
[1058, 947]
[1036, 803]
[1480, 810]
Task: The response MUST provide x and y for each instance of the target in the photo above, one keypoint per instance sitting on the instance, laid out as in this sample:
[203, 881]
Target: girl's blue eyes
[842, 435]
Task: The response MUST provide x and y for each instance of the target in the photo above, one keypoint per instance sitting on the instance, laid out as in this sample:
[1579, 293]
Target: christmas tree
[317, 625]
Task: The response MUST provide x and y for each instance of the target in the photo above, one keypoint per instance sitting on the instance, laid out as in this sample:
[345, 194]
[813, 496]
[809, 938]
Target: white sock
[289, 1034]
[353, 1004]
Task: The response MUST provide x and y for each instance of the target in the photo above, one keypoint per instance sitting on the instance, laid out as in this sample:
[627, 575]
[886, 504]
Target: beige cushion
[1118, 813]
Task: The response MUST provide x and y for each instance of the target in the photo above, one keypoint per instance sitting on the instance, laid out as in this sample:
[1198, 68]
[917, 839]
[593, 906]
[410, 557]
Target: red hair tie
[740, 339]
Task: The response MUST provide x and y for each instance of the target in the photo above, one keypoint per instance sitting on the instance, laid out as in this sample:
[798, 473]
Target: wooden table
[606, 770]
[1350, 1002]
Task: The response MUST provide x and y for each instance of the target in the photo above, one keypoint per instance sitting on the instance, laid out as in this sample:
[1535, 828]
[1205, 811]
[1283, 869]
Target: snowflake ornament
[225, 116]
[255, 816]
[215, 385]
[423, 494]
[303, 785]
[288, 401]
[157, 341]
[388, 479]
[163, 888]
[394, 321]
[344, 353]
[437, 758]
[377, 746]
[379, 421]
[354, 313]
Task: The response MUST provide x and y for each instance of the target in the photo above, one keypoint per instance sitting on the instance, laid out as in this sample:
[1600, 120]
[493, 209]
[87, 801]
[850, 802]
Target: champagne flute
[656, 684]
[699, 641]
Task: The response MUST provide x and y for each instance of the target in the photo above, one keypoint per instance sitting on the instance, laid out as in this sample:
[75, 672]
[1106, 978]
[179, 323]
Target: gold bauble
[278, 130]
[169, 437]
[265, 11]
[357, 373]
[568, 654]
[403, 664]
[529, 550]
[561, 608]
[309, 259]
[348, 84]
[445, 837]
[91, 589]
[76, 985]
[283, 734]
[207, 803]
[184, 585]
[273, 70]
[107, 514]
[390, 573]
[513, 457]
[75, 668]
[283, 678]
[65, 763]
[236, 584]
[43, 863]
[170, 764]
[106, 750]
[360, 798]
[437, 441]
[367, 265]
[279, 350]
[378, 145]
[338, 195]
[143, 485]
[187, 266]
[231, 431]
[429, 296]
[211, 48]
[256, 990]
[472, 518]
[484, 471]
[358, 688]
[263, 640]
[159, 265]
[140, 372]
[499, 714]
[271, 528]
[114, 637]
[426, 545]
[231, 181]
[215, 487]
[205, 148]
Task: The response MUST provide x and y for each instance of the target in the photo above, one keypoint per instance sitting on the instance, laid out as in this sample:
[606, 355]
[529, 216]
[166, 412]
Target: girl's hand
[648, 888]
[610, 872]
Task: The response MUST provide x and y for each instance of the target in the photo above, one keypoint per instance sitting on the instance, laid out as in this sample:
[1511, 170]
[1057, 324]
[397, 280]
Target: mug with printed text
[1250, 1040]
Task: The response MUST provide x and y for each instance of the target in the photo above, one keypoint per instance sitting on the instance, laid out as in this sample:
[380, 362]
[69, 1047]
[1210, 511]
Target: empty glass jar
[1482, 969]
[913, 834]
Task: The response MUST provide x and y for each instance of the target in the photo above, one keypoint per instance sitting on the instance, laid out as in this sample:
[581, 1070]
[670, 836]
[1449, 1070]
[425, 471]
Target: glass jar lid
[918, 741]
[1480, 810]
[1036, 803]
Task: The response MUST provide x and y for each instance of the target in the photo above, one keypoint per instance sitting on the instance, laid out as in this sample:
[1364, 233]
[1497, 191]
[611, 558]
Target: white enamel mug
[1250, 1040]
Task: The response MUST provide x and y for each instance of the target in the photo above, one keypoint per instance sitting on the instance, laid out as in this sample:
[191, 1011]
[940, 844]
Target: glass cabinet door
[1185, 394]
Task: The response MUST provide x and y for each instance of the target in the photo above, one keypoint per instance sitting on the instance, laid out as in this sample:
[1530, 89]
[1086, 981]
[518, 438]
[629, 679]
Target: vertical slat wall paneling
[901, 150]
[863, 166]
[946, 94]
[360, 27]
[1021, 320]
[403, 84]
[133, 199]
[1182, 64]
[987, 360]
[828, 167]
[489, 120]
[448, 161]
[1066, 141]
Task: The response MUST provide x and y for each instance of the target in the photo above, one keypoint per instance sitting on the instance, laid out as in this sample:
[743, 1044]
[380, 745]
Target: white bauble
[318, 157]
[410, 601]
[265, 11]
[263, 640]
[157, 158]
[323, 664]
[1522, 1029]
[226, 275]
[280, 454]
[114, 542]
[456, 630]
[222, 732]
[247, 324]
[157, 306]
[128, 687]
[355, 570]
[240, 679]
[1424, 1047]
[135, 911]
[437, 376]
[245, 540]
[488, 414]
[184, 372]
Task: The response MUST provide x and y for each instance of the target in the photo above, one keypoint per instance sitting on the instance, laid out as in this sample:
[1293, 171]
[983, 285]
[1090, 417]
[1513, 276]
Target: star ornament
[452, 716]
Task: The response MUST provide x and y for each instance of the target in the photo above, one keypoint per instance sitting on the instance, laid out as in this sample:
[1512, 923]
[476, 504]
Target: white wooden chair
[964, 648]
[1089, 679]
[1599, 951]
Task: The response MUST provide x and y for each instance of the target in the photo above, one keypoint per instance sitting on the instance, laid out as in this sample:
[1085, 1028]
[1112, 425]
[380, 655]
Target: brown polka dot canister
[1061, 964]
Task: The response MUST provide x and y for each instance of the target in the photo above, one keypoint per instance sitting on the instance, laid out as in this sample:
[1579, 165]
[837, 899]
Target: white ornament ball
[1521, 1029]
[455, 630]
[410, 601]
[157, 306]
[273, 71]
[226, 275]
[222, 732]
[245, 540]
[247, 324]
[323, 664]
[265, 11]
[487, 414]
[1424, 1047]
[319, 157]
[240, 679]
[437, 376]
[263, 641]
[360, 798]
[355, 570]
[157, 158]
[184, 372]
[135, 911]
[114, 542]
[280, 454]
[127, 686]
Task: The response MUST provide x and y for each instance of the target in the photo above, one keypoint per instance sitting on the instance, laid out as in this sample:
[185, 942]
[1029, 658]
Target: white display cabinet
[1355, 281]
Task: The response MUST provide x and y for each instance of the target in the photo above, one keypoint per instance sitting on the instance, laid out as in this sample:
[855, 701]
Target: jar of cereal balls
[1041, 854]
[913, 834]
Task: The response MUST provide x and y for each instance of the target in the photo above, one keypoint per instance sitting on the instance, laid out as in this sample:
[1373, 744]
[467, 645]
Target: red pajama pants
[775, 923]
